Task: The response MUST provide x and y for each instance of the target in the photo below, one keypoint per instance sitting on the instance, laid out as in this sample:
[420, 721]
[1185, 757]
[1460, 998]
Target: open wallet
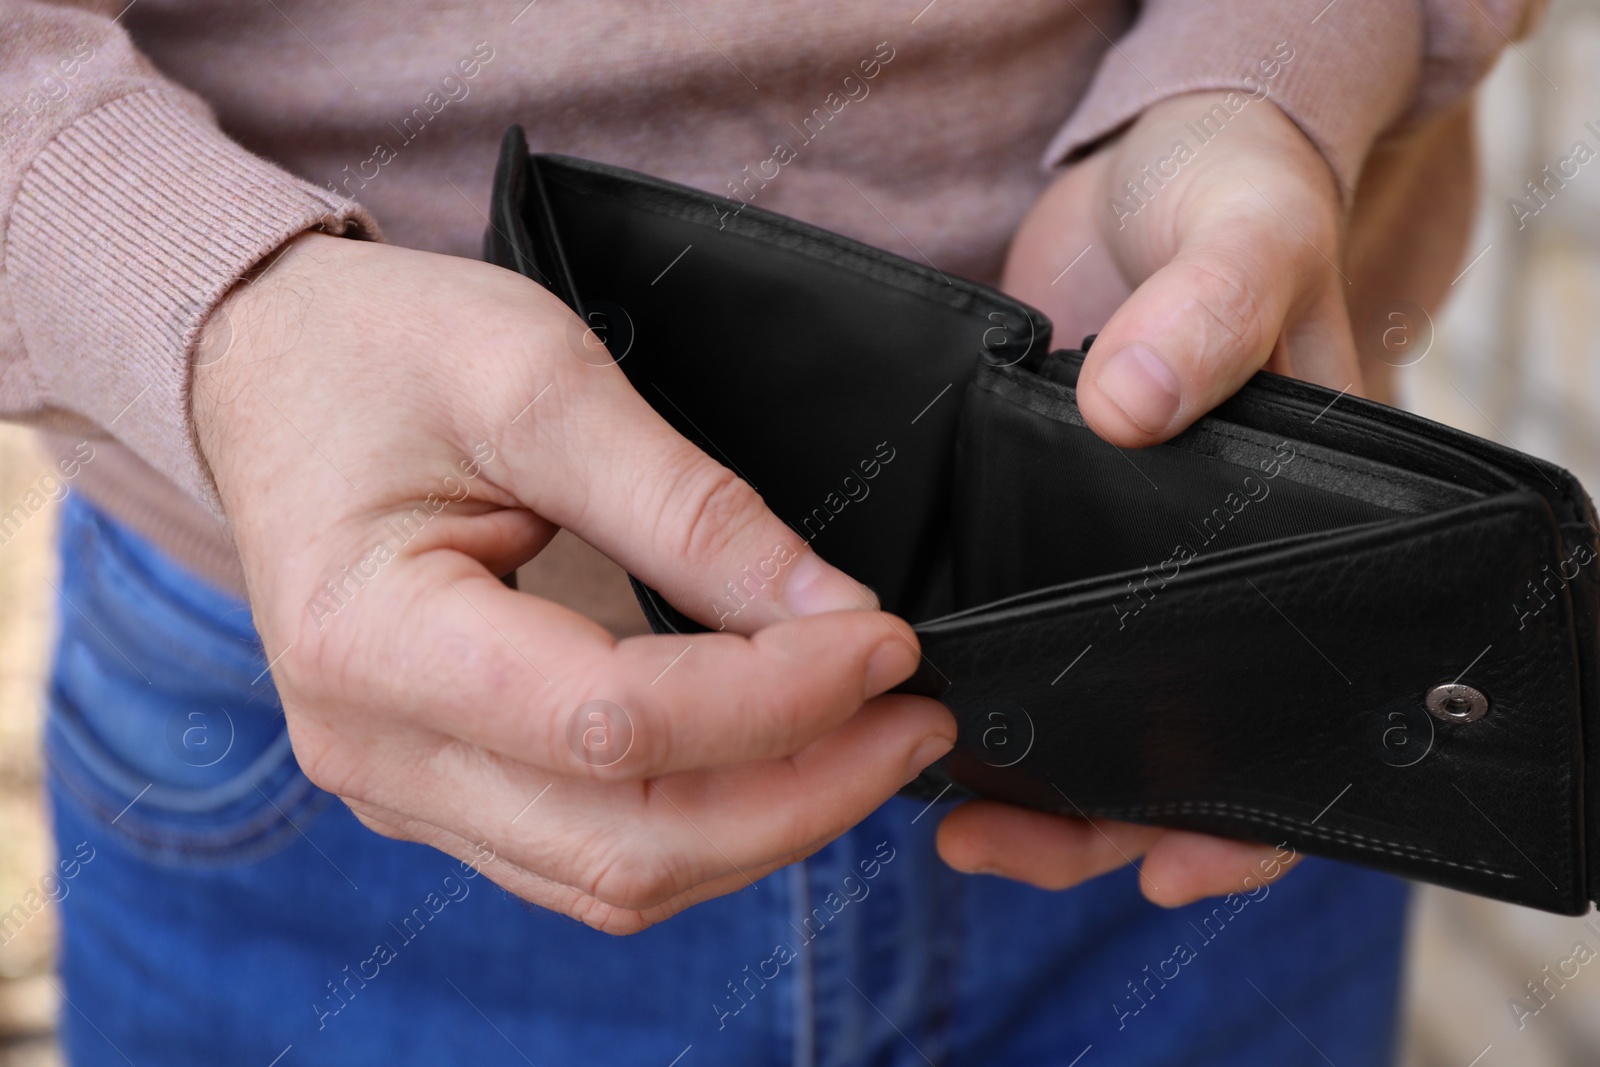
[1308, 619]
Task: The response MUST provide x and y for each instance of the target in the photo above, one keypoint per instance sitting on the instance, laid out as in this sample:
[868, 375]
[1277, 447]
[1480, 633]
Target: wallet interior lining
[826, 373]
[1077, 508]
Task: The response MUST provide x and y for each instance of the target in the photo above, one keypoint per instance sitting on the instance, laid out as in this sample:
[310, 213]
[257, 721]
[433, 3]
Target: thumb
[680, 521]
[1199, 327]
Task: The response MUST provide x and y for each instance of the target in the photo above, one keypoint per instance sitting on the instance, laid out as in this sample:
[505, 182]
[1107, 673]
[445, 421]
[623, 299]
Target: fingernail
[814, 587]
[1140, 383]
[929, 750]
[890, 664]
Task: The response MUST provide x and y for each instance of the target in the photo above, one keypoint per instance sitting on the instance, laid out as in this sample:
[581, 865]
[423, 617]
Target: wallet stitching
[1385, 437]
[1222, 430]
[1367, 434]
[1292, 405]
[1283, 822]
[997, 385]
[832, 249]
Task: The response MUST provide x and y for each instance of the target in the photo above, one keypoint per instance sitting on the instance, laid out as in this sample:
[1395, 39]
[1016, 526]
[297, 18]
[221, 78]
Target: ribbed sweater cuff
[127, 230]
[1353, 73]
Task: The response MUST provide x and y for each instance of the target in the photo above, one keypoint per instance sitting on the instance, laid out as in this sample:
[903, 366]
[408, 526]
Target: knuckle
[628, 877]
[303, 667]
[636, 884]
[772, 721]
[340, 769]
[320, 757]
[1232, 299]
[771, 706]
[326, 657]
[707, 507]
[604, 741]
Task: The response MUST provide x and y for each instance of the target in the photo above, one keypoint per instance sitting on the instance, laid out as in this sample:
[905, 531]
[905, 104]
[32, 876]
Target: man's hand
[389, 431]
[1223, 263]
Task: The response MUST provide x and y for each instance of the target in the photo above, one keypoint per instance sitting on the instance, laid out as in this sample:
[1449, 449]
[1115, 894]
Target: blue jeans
[222, 910]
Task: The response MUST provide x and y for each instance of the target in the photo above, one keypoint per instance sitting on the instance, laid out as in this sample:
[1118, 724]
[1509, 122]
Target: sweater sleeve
[1345, 72]
[125, 216]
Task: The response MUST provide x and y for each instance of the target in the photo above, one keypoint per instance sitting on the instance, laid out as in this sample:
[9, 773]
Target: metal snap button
[1456, 703]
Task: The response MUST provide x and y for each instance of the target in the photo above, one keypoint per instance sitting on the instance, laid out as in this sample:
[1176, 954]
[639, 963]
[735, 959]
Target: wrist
[243, 342]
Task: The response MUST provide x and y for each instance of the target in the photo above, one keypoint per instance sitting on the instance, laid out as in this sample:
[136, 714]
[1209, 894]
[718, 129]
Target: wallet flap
[1281, 698]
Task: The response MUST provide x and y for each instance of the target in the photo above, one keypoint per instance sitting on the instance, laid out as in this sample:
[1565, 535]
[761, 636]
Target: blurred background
[1515, 357]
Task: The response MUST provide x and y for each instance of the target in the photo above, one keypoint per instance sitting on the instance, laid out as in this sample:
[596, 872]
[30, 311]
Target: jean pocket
[163, 723]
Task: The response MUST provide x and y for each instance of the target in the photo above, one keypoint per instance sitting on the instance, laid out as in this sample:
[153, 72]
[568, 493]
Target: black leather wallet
[1309, 618]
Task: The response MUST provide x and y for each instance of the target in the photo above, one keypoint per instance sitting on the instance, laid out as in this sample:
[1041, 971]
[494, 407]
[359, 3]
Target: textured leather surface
[1233, 632]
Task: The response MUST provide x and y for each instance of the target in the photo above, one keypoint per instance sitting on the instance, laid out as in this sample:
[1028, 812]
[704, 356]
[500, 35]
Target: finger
[554, 896]
[1319, 345]
[684, 523]
[527, 678]
[1044, 850]
[1196, 329]
[637, 845]
[1183, 867]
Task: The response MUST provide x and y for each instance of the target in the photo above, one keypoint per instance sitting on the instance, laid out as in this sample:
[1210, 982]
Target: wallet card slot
[1076, 507]
[1359, 429]
[1283, 450]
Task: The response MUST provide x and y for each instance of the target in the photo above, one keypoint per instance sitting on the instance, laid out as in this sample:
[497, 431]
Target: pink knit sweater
[152, 153]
